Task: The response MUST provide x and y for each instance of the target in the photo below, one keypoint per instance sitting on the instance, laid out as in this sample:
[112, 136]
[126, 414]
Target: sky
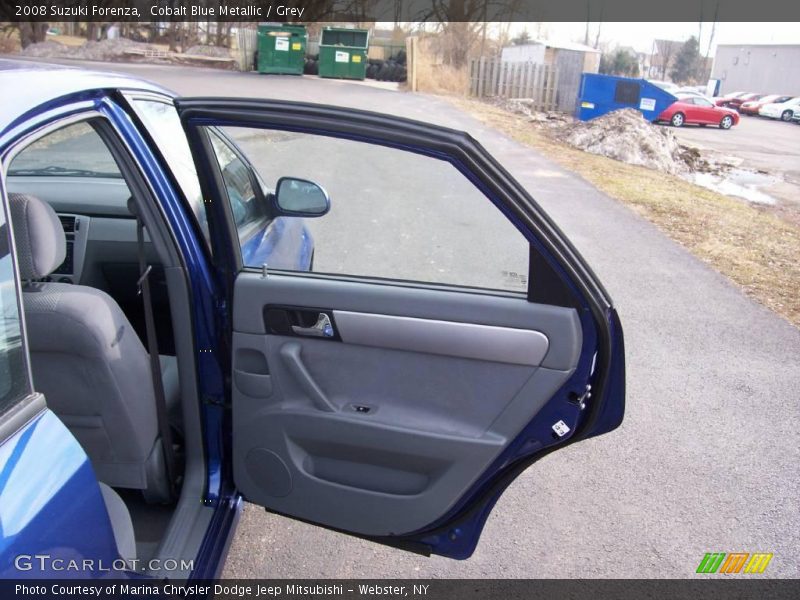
[641, 35]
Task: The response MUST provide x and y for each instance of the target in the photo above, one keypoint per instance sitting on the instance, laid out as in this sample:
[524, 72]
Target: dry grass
[751, 245]
[437, 78]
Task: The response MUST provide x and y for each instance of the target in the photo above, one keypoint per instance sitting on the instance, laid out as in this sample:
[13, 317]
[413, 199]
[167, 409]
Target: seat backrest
[86, 357]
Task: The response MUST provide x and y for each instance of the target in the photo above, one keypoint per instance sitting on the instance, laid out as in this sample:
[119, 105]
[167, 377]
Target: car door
[706, 112]
[448, 337]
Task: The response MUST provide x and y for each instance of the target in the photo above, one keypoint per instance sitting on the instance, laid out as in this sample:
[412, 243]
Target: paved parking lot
[707, 457]
[760, 144]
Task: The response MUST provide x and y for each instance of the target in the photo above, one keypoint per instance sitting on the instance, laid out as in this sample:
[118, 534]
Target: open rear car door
[397, 410]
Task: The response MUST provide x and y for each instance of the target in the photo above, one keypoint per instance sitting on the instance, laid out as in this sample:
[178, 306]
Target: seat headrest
[38, 236]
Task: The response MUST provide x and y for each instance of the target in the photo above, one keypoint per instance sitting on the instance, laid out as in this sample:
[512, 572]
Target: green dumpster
[281, 49]
[343, 53]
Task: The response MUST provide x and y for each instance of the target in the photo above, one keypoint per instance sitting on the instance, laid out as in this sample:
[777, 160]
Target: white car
[664, 85]
[783, 111]
[687, 92]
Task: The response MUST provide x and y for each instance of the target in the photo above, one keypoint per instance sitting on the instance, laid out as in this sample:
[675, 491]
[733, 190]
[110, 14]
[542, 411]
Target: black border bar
[365, 11]
[719, 587]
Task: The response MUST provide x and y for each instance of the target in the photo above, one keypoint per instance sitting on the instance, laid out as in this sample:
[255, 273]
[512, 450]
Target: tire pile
[393, 69]
[311, 66]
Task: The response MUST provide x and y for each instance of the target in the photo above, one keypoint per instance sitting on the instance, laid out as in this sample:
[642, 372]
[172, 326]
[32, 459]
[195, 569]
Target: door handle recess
[291, 354]
[322, 328]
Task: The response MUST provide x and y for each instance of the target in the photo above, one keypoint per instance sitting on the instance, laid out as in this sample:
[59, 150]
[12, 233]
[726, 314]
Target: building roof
[667, 46]
[557, 45]
[759, 46]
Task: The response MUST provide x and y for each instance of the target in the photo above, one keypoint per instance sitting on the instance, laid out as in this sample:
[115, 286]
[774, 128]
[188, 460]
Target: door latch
[580, 399]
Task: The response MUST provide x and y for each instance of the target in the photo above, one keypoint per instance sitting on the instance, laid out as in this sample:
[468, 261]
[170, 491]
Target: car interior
[73, 217]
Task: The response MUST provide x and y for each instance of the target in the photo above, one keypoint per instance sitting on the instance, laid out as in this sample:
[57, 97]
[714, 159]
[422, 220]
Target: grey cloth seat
[88, 361]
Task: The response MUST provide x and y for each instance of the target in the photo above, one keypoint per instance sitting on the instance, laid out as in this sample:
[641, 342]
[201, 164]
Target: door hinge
[581, 398]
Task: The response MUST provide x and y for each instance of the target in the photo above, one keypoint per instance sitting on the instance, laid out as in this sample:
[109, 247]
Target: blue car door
[52, 513]
[448, 336]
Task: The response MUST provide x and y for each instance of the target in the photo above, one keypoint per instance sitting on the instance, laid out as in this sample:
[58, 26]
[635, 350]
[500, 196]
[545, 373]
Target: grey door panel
[560, 325]
[378, 437]
[431, 336]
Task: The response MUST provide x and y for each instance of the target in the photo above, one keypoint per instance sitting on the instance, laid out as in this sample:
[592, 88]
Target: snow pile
[524, 108]
[48, 49]
[210, 51]
[625, 135]
[111, 50]
[105, 50]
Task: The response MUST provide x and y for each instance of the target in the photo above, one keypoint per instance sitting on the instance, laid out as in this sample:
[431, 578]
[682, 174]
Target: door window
[394, 214]
[164, 126]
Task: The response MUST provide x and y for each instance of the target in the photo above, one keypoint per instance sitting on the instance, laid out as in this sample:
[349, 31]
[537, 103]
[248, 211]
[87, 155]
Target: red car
[735, 103]
[751, 107]
[723, 100]
[698, 110]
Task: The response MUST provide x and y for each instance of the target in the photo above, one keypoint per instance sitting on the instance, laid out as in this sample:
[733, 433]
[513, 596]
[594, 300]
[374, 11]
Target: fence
[531, 81]
[247, 41]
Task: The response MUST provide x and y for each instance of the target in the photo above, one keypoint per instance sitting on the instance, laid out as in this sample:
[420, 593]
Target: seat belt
[155, 364]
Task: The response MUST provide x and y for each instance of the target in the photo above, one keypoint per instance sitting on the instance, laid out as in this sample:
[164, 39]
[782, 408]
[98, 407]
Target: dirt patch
[753, 245]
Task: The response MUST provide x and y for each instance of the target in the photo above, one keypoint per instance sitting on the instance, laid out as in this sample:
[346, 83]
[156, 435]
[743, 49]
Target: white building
[759, 68]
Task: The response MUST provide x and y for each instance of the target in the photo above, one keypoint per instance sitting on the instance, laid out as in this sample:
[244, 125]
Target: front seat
[87, 359]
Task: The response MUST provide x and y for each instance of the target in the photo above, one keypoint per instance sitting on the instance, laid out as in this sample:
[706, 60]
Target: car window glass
[14, 380]
[72, 151]
[164, 125]
[247, 211]
[394, 214]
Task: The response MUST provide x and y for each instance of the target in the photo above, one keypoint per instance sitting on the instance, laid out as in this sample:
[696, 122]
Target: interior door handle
[291, 356]
[322, 328]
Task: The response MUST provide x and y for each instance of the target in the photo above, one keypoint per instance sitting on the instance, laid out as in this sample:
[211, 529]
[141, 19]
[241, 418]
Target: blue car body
[67, 497]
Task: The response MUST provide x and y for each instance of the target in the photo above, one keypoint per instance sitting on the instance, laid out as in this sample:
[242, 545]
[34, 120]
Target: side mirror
[300, 198]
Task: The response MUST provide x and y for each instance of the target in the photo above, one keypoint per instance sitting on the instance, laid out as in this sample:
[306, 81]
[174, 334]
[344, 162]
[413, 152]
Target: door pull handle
[322, 328]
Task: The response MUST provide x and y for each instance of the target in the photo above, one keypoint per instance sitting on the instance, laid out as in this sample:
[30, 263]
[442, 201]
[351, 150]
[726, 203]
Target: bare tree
[713, 29]
[32, 33]
[462, 24]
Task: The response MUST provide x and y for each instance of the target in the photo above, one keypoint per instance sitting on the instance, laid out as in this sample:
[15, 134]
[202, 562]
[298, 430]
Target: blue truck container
[601, 94]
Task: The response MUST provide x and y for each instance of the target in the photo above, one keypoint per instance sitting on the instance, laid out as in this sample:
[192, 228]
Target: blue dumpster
[601, 94]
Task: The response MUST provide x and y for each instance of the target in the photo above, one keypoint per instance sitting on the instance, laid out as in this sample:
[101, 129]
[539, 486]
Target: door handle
[322, 328]
[291, 356]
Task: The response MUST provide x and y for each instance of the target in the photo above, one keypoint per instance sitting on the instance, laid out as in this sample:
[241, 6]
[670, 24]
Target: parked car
[735, 103]
[698, 110]
[667, 86]
[796, 117]
[751, 107]
[392, 410]
[689, 92]
[723, 100]
[781, 110]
